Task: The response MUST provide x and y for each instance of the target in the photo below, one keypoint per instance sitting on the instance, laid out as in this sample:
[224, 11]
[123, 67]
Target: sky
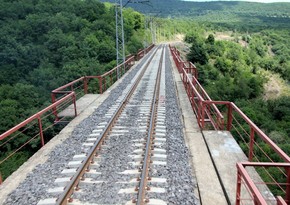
[261, 1]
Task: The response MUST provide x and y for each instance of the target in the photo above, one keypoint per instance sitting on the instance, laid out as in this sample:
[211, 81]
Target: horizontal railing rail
[30, 129]
[197, 95]
[103, 82]
[251, 186]
[62, 98]
[235, 119]
[259, 148]
[141, 53]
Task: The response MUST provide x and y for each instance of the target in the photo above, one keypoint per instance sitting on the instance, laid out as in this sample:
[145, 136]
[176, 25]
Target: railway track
[130, 151]
[89, 171]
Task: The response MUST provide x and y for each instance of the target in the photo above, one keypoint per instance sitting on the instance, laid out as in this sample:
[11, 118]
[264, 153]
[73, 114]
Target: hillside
[46, 44]
[221, 12]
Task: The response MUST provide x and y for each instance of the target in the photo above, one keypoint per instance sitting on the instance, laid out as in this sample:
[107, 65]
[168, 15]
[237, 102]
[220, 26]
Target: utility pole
[120, 42]
[146, 28]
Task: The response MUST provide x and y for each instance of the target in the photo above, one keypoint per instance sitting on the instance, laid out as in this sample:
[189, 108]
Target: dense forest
[46, 44]
[234, 72]
[236, 46]
[239, 70]
[247, 64]
[236, 56]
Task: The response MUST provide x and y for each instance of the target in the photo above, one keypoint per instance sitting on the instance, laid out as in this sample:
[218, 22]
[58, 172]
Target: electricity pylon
[120, 42]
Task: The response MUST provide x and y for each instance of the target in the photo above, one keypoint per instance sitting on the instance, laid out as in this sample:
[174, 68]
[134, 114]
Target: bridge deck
[210, 189]
[41, 156]
[214, 157]
[81, 105]
[213, 153]
[225, 153]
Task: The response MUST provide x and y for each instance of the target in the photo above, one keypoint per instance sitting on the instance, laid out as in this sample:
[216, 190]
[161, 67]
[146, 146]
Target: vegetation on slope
[230, 71]
[46, 44]
[233, 72]
[231, 14]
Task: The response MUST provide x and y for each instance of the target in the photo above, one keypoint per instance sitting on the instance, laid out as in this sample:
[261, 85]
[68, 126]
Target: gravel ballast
[180, 184]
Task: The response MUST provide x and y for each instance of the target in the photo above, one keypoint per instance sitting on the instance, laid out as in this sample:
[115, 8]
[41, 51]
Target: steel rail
[65, 197]
[147, 156]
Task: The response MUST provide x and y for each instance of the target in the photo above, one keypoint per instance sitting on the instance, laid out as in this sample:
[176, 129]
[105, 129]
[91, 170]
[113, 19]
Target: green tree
[197, 52]
[210, 39]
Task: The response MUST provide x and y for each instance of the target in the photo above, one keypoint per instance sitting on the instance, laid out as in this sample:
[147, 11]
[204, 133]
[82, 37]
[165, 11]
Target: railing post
[230, 117]
[1, 179]
[193, 81]
[193, 101]
[54, 110]
[222, 123]
[251, 146]
[74, 102]
[187, 86]
[100, 78]
[255, 200]
[280, 201]
[199, 108]
[40, 131]
[183, 76]
[238, 191]
[287, 197]
[202, 114]
[85, 85]
[105, 85]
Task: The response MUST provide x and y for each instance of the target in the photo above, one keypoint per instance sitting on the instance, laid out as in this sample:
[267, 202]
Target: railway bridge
[153, 137]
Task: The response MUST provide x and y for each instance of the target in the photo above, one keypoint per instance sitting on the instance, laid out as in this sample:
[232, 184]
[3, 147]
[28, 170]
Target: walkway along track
[90, 159]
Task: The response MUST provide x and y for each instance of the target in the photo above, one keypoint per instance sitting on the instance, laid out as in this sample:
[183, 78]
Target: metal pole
[120, 45]
[75, 105]
[230, 117]
[100, 79]
[54, 109]
[40, 131]
[85, 85]
[251, 147]
[287, 197]
[238, 191]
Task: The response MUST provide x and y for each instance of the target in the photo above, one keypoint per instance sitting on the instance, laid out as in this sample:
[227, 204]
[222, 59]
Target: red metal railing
[141, 53]
[254, 142]
[253, 185]
[32, 128]
[197, 95]
[81, 86]
[247, 132]
[61, 97]
[108, 78]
